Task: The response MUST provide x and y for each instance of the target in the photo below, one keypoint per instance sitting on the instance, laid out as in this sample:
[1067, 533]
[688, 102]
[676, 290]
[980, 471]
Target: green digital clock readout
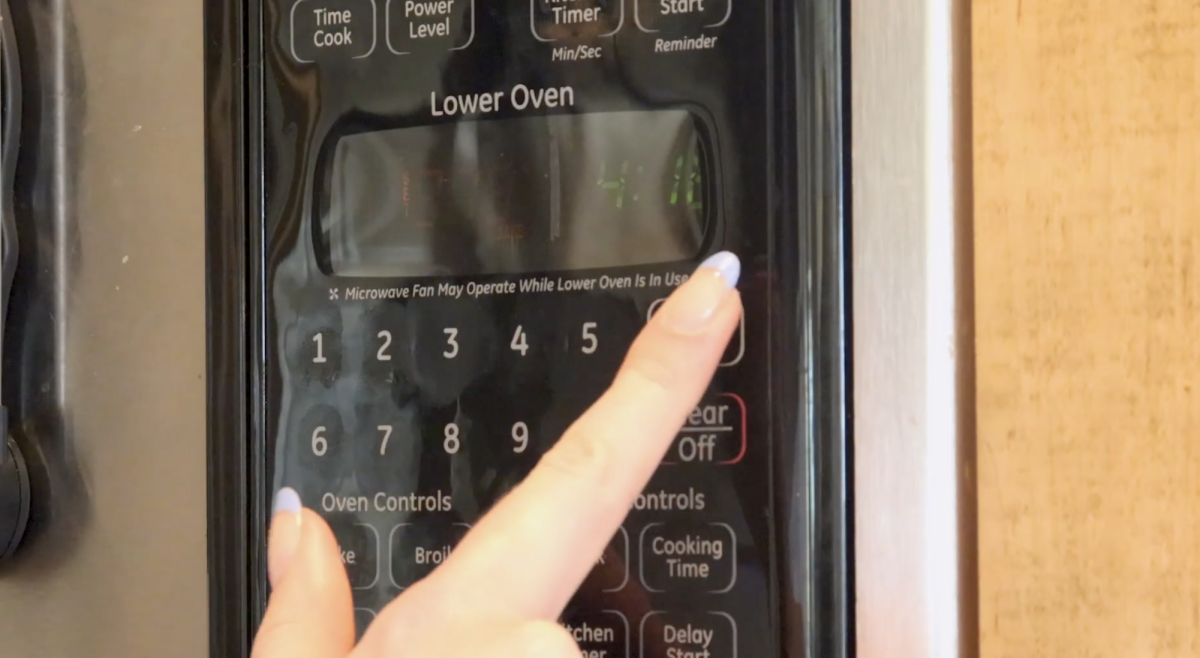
[560, 192]
[686, 182]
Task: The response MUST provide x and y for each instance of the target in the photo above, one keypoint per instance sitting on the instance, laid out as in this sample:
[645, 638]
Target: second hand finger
[529, 554]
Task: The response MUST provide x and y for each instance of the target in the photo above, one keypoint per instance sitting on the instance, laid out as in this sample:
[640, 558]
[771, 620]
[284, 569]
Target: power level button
[325, 30]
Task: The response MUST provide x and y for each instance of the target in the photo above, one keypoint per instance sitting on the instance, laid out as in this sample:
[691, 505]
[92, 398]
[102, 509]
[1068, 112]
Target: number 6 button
[737, 346]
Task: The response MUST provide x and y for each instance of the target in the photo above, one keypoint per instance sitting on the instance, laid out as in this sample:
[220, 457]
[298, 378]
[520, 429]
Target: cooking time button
[332, 29]
[688, 557]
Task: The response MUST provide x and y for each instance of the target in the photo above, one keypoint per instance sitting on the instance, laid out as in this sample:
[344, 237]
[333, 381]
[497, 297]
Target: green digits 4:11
[684, 186]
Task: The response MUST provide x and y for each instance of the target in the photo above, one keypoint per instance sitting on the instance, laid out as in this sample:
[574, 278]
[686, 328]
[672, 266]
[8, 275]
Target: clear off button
[325, 30]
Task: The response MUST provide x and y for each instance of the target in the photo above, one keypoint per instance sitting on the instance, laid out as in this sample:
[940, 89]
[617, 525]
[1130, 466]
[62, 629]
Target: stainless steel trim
[116, 561]
[912, 339]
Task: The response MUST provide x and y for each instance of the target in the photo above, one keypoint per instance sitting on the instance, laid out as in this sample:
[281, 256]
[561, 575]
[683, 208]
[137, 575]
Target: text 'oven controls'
[737, 345]
[419, 26]
[575, 20]
[333, 29]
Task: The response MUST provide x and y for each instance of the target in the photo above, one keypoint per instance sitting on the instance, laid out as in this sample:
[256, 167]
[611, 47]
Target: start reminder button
[333, 29]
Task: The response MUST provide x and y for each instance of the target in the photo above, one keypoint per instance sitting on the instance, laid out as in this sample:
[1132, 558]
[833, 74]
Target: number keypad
[419, 415]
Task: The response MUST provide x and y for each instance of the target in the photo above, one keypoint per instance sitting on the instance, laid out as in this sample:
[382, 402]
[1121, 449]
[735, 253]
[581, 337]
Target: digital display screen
[547, 193]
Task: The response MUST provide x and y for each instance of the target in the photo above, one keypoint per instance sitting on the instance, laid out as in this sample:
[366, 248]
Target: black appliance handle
[14, 474]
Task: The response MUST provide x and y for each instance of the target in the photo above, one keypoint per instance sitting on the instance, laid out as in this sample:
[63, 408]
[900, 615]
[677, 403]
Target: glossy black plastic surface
[404, 407]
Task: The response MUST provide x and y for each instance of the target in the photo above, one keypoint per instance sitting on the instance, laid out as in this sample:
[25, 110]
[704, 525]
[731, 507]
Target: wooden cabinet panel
[1087, 121]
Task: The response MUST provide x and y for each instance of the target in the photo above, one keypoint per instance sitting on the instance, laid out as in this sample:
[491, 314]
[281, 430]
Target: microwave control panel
[469, 210]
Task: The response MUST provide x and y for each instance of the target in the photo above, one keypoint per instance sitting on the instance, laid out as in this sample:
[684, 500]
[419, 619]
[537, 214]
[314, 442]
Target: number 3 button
[737, 345]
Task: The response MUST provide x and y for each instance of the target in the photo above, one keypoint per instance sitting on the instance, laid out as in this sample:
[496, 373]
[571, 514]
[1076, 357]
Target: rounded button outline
[374, 33]
[733, 630]
[533, 23]
[732, 557]
[378, 556]
[743, 428]
[387, 30]
[637, 17]
[391, 548]
[741, 333]
[625, 536]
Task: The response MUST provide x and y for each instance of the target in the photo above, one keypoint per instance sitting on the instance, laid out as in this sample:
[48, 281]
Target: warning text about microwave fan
[476, 289]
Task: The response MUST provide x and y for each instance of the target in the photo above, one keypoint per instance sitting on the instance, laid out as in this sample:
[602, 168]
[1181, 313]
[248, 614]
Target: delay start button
[325, 30]
[682, 16]
[710, 634]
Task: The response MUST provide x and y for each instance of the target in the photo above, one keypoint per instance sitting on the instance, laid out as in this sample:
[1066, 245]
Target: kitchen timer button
[333, 29]
[599, 634]
[575, 20]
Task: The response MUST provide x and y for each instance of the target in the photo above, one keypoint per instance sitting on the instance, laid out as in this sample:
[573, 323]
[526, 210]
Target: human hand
[560, 518]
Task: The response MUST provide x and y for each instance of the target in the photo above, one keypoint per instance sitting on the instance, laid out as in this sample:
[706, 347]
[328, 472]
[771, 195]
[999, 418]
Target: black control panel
[461, 213]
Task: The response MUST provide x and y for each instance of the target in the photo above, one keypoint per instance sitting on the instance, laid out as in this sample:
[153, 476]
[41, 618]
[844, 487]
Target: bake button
[358, 544]
[418, 548]
[714, 433]
[556, 20]
[420, 25]
[332, 29]
[603, 634]
[688, 557]
[709, 634]
[682, 16]
[611, 572]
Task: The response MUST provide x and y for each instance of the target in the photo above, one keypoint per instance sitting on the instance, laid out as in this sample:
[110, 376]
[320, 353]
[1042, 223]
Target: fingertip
[726, 265]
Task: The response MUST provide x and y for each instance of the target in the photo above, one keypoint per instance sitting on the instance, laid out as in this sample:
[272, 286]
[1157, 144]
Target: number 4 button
[737, 346]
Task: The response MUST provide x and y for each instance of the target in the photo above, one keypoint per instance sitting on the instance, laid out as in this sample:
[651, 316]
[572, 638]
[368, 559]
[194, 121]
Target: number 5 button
[737, 345]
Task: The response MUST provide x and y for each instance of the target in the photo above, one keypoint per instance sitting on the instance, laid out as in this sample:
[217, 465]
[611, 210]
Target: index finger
[532, 551]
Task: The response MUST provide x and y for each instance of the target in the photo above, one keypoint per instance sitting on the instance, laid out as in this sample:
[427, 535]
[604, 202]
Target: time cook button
[327, 29]
[690, 558]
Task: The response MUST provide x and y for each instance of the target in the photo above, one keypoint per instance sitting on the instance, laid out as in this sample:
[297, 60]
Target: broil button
[418, 548]
[332, 29]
